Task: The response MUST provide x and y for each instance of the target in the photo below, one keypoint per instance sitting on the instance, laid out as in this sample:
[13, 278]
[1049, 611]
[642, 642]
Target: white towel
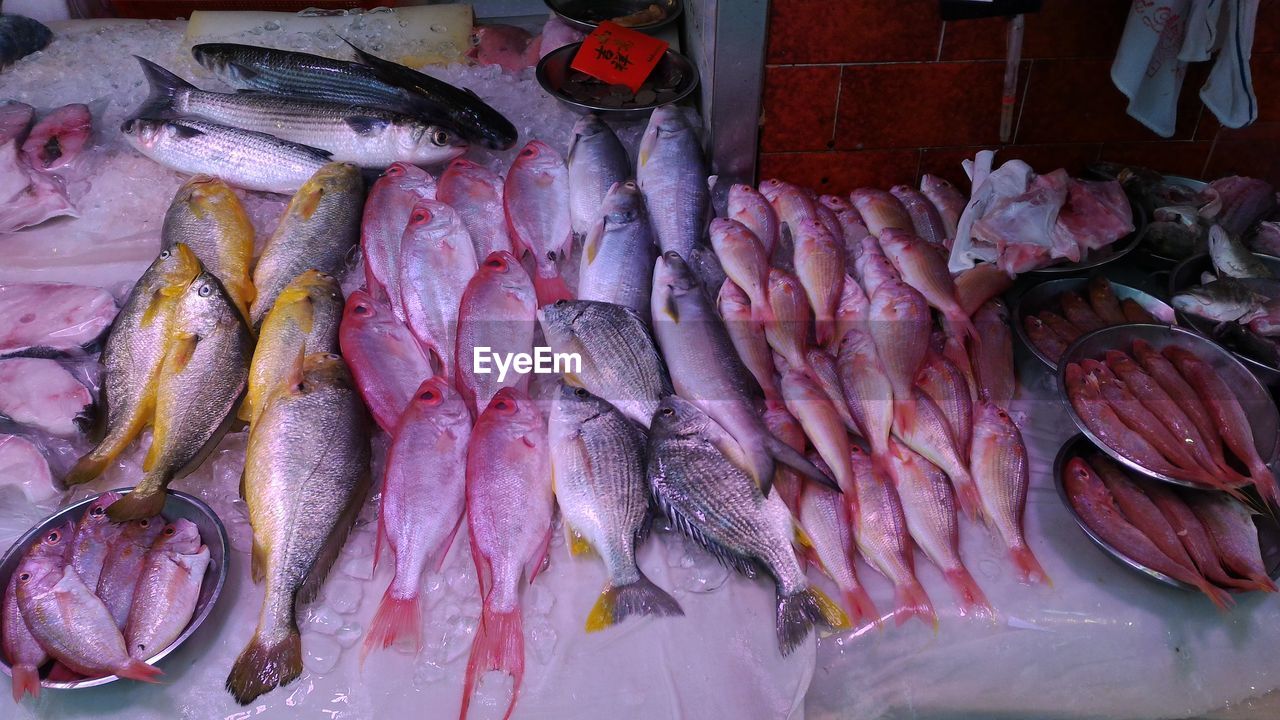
[1228, 92]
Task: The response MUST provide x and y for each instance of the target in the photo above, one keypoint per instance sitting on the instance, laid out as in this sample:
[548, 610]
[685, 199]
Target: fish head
[175, 269]
[576, 405]
[148, 133]
[835, 203]
[773, 188]
[95, 520]
[665, 120]
[1204, 302]
[512, 409]
[557, 320]
[588, 126]
[674, 272]
[311, 286]
[677, 417]
[623, 204]
[335, 178]
[321, 370]
[215, 57]
[429, 143]
[733, 302]
[42, 565]
[437, 401]
[537, 154]
[407, 176]
[181, 536]
[362, 309]
[205, 307]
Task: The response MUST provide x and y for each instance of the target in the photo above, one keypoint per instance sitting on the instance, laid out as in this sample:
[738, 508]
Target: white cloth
[1162, 36]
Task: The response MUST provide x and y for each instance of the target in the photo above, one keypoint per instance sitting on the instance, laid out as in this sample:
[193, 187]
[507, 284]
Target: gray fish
[1223, 300]
[251, 160]
[1231, 258]
[305, 477]
[19, 37]
[672, 174]
[596, 161]
[132, 357]
[718, 506]
[706, 370]
[367, 136]
[206, 215]
[203, 377]
[597, 456]
[619, 360]
[617, 255]
[317, 232]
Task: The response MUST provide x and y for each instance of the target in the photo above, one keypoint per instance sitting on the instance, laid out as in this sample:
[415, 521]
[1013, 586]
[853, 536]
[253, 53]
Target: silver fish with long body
[596, 161]
[617, 255]
[672, 174]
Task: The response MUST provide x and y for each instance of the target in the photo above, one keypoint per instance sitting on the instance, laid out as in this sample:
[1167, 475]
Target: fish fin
[538, 561]
[138, 670]
[186, 132]
[447, 543]
[306, 200]
[578, 545]
[591, 244]
[138, 504]
[153, 309]
[618, 602]
[727, 557]
[87, 468]
[970, 501]
[913, 602]
[182, 347]
[329, 555]
[396, 618]
[365, 125]
[164, 87]
[972, 599]
[61, 673]
[671, 310]
[1220, 598]
[26, 681]
[860, 605]
[261, 668]
[1029, 569]
[798, 613]
[550, 289]
[211, 444]
[788, 456]
[258, 562]
[499, 645]
[381, 534]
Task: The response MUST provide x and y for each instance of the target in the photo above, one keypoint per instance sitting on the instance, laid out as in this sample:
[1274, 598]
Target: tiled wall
[869, 92]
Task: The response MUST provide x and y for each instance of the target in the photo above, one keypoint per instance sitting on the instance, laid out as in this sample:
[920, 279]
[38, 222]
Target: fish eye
[497, 263]
[332, 356]
[362, 309]
[205, 291]
[53, 537]
[427, 395]
[529, 151]
[169, 530]
[668, 412]
[502, 405]
[23, 577]
[440, 137]
[551, 255]
[561, 303]
[97, 511]
[164, 254]
[144, 523]
[395, 171]
[581, 392]
[420, 216]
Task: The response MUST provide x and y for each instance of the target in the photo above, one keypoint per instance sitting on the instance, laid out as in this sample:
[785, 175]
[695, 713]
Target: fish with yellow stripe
[207, 216]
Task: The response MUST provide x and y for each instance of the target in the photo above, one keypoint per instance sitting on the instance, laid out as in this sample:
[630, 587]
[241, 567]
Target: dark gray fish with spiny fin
[20, 36]
[1232, 259]
[306, 475]
[717, 505]
[200, 385]
[597, 459]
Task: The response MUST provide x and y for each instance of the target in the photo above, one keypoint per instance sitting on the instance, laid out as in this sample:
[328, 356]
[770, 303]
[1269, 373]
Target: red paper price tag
[619, 56]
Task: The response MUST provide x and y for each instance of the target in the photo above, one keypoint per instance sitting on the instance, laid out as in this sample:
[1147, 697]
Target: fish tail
[798, 613]
[762, 312]
[499, 645]
[396, 618]
[262, 667]
[960, 326]
[550, 289]
[87, 468]
[138, 670]
[1029, 569]
[1265, 481]
[26, 680]
[972, 599]
[913, 602]
[860, 605]
[618, 602]
[138, 504]
[1220, 598]
[823, 330]
[164, 88]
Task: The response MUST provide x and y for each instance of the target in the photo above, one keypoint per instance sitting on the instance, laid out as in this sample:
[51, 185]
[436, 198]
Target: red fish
[1086, 399]
[992, 359]
[386, 213]
[1046, 340]
[749, 207]
[385, 358]
[1235, 537]
[497, 311]
[1168, 378]
[1001, 473]
[536, 202]
[475, 192]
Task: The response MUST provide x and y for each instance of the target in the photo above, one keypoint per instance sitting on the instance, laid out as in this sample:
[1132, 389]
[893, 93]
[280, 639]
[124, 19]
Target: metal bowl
[1101, 257]
[1079, 446]
[586, 15]
[1254, 398]
[1187, 274]
[176, 505]
[1043, 296]
[673, 67]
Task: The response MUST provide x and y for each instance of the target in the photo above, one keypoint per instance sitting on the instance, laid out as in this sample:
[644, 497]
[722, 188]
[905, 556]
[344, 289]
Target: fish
[880, 531]
[304, 319]
[618, 252]
[880, 211]
[1001, 472]
[980, 283]
[820, 269]
[788, 334]
[693, 482]
[748, 339]
[852, 311]
[822, 367]
[366, 136]
[706, 370]
[385, 215]
[1227, 416]
[852, 231]
[597, 457]
[306, 467]
[52, 319]
[133, 355]
[1064, 328]
[246, 159]
[507, 46]
[22, 651]
[899, 323]
[1223, 300]
[787, 482]
[497, 311]
[826, 216]
[206, 215]
[385, 358]
[318, 230]
[871, 267]
[437, 260]
[922, 426]
[1235, 536]
[946, 386]
[923, 268]
[746, 205]
[992, 359]
[929, 508]
[948, 201]
[596, 161]
[1044, 338]
[1103, 301]
[808, 403]
[40, 393]
[868, 392]
[168, 589]
[1180, 392]
[509, 507]
[1087, 401]
[536, 202]
[1097, 508]
[20, 36]
[67, 619]
[475, 192]
[59, 138]
[672, 173]
[120, 571]
[1231, 258]
[1078, 312]
[745, 261]
[793, 206]
[826, 519]
[198, 389]
[925, 219]
[620, 362]
[424, 492]
[94, 536]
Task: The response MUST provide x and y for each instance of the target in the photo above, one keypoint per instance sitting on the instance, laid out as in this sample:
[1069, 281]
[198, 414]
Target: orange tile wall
[869, 92]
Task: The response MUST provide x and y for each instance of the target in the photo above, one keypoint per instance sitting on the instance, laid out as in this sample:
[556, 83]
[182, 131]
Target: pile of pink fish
[31, 158]
[1051, 330]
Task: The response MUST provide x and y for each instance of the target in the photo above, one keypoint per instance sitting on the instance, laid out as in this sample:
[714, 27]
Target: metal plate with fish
[1262, 360]
[1098, 258]
[672, 80]
[177, 505]
[1264, 420]
[1080, 446]
[642, 15]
